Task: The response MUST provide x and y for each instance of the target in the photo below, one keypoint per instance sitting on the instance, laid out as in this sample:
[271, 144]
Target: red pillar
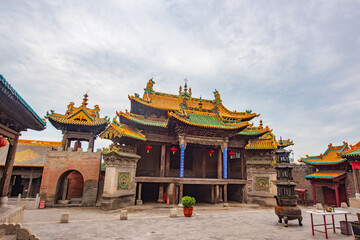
[337, 195]
[314, 192]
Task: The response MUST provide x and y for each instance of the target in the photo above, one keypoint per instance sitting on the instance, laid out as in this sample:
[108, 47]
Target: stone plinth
[119, 184]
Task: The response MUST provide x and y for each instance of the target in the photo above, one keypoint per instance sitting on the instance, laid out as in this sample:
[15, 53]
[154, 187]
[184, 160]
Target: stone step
[8, 237]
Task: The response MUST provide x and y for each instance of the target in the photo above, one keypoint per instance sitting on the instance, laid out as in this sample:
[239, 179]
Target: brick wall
[59, 162]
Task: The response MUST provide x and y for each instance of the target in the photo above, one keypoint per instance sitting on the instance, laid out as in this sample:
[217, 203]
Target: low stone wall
[11, 214]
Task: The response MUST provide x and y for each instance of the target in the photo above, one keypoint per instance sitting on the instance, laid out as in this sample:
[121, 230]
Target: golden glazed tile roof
[255, 131]
[354, 151]
[267, 142]
[331, 156]
[78, 115]
[119, 151]
[39, 143]
[116, 129]
[171, 102]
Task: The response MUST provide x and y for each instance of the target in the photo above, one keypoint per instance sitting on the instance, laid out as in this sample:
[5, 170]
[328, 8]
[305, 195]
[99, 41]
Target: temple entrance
[330, 196]
[70, 187]
[236, 193]
[150, 192]
[202, 193]
[17, 187]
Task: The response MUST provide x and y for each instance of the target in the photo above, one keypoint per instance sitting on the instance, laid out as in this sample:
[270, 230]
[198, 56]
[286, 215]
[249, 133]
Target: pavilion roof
[116, 129]
[118, 151]
[267, 142]
[331, 156]
[171, 102]
[17, 110]
[255, 131]
[207, 120]
[325, 175]
[81, 116]
[139, 119]
[354, 151]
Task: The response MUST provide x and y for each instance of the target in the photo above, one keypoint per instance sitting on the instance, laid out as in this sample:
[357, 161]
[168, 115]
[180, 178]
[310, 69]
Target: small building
[28, 166]
[330, 175]
[70, 175]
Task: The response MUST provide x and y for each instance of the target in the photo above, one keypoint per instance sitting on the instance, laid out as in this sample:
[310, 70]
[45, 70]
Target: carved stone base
[139, 202]
[116, 202]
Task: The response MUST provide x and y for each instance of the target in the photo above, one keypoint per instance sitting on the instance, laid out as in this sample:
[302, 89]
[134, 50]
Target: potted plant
[188, 202]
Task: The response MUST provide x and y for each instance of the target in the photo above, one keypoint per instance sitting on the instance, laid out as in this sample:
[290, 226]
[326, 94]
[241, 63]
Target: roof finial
[185, 86]
[84, 103]
[261, 124]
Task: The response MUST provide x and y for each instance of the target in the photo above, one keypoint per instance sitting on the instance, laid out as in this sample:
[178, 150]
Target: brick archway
[70, 186]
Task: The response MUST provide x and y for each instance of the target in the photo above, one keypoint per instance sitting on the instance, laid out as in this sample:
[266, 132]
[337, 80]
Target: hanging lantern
[173, 149]
[148, 148]
[210, 152]
[231, 154]
[3, 141]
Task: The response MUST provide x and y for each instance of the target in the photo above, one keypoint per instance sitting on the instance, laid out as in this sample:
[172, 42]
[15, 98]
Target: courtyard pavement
[150, 222]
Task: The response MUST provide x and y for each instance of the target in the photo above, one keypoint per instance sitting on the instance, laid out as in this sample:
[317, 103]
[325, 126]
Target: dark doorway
[202, 193]
[150, 192]
[70, 187]
[17, 187]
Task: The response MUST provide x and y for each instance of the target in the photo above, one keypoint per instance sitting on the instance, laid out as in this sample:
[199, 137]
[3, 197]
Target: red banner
[356, 165]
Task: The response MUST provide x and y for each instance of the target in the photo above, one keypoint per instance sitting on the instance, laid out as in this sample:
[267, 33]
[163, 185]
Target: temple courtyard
[153, 222]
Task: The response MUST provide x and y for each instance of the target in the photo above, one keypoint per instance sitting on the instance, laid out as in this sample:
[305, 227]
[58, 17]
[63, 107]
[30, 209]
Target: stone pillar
[5, 181]
[314, 192]
[161, 193]
[225, 194]
[219, 167]
[171, 193]
[181, 189]
[65, 189]
[139, 200]
[203, 165]
[217, 194]
[162, 160]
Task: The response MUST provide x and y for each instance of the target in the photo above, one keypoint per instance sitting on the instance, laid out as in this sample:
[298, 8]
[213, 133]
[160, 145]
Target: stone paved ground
[209, 223]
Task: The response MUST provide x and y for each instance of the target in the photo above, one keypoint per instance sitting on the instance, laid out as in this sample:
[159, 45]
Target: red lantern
[3, 141]
[148, 148]
[173, 149]
[210, 152]
[231, 154]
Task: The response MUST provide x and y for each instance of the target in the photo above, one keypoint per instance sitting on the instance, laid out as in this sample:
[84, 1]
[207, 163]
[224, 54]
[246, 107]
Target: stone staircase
[16, 232]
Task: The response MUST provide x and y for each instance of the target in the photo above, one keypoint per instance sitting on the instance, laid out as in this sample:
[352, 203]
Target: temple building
[330, 175]
[170, 145]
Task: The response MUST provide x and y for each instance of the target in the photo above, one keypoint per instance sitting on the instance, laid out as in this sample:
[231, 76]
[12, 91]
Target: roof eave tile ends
[41, 124]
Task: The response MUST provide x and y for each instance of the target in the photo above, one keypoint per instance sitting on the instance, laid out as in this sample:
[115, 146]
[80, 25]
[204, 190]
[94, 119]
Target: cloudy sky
[294, 62]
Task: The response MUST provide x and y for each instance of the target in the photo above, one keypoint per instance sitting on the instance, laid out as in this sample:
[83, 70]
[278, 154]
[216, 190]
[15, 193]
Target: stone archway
[69, 188]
